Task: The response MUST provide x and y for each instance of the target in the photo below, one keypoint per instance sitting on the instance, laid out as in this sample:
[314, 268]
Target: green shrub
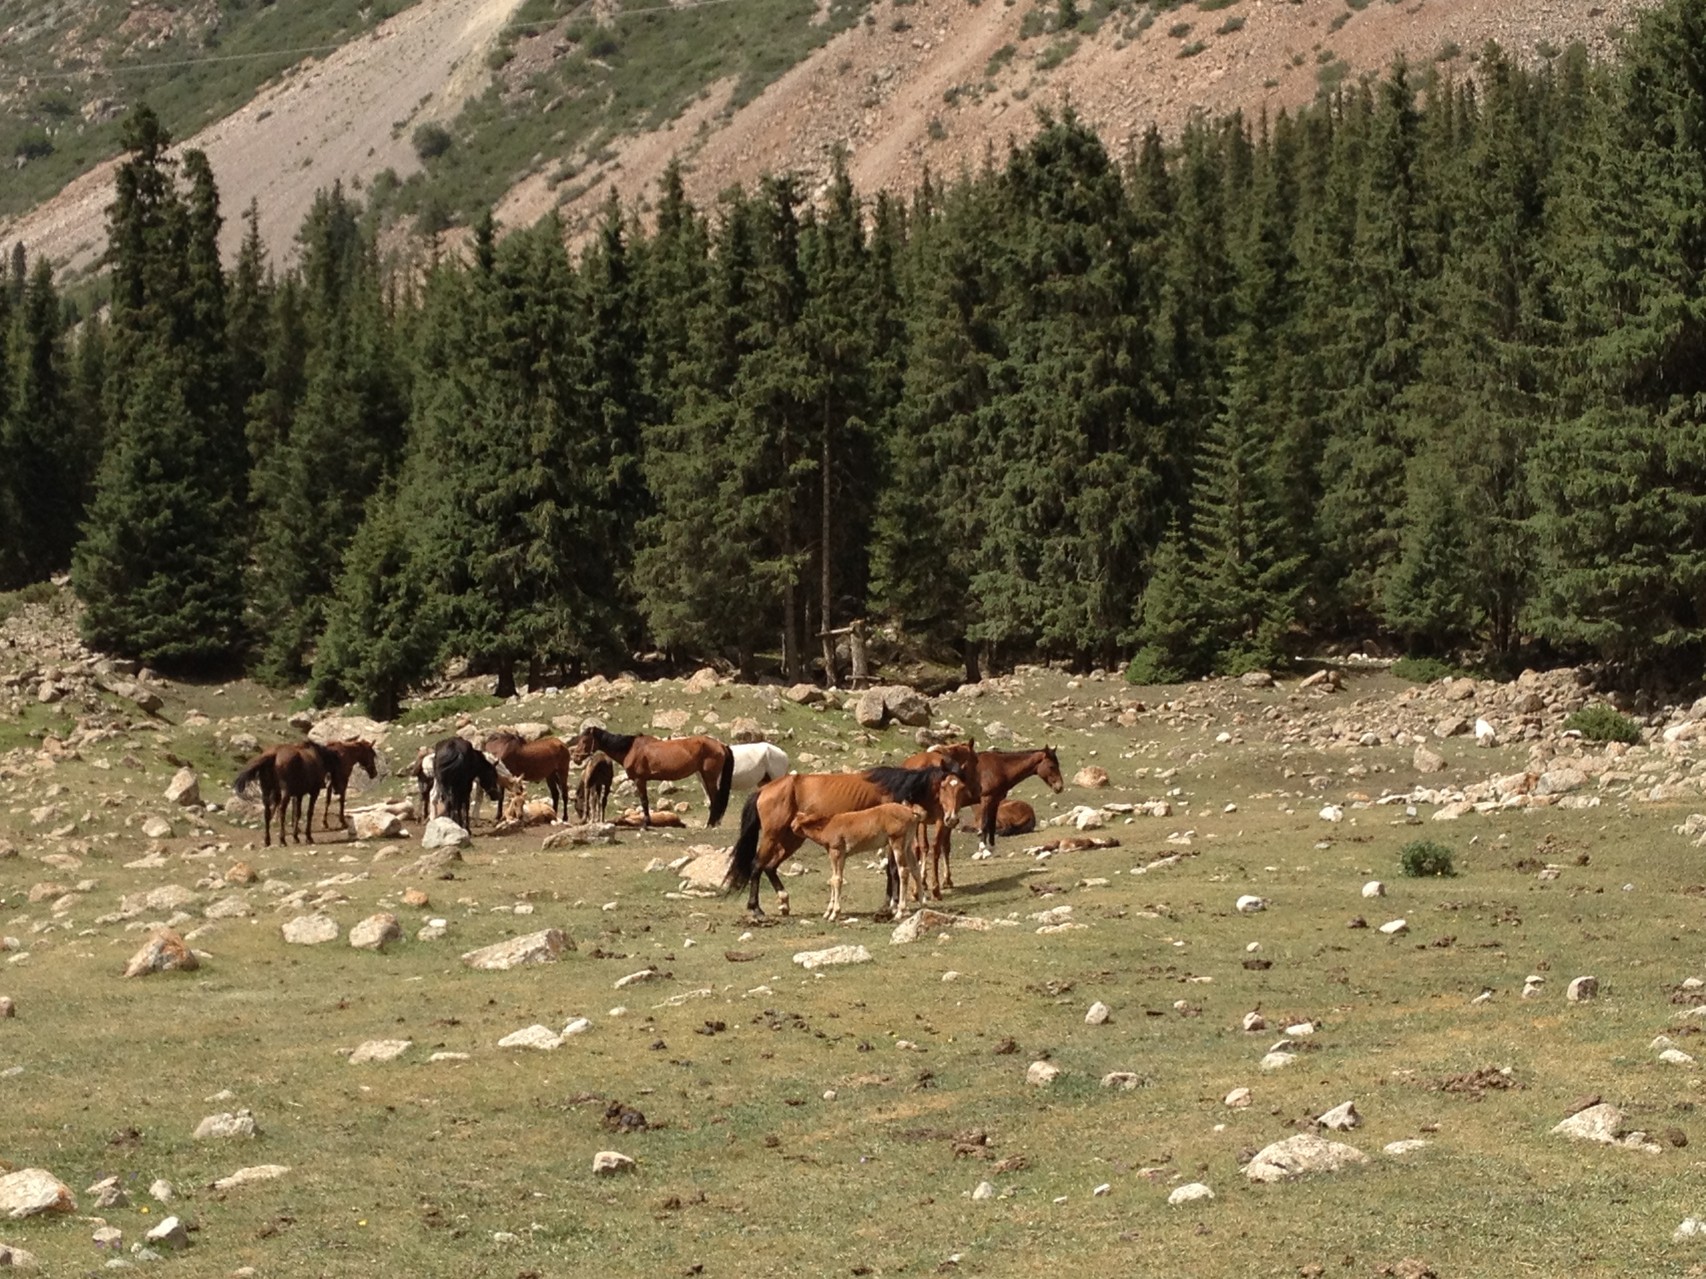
[1602, 723]
[1234, 23]
[431, 141]
[443, 707]
[1424, 857]
[1152, 666]
[1426, 670]
[1178, 31]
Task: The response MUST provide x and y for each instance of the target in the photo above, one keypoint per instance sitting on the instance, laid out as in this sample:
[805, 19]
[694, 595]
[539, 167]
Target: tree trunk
[535, 675]
[506, 678]
[826, 581]
[968, 654]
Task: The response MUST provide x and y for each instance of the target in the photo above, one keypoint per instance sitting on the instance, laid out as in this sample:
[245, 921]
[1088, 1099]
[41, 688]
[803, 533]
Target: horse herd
[908, 810]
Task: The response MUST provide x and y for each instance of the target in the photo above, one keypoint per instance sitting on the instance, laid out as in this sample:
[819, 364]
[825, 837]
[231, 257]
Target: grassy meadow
[483, 1166]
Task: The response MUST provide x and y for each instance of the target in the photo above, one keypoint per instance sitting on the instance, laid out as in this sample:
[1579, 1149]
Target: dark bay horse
[592, 793]
[646, 759]
[347, 754]
[456, 765]
[768, 834]
[999, 772]
[547, 759]
[288, 772]
[963, 757]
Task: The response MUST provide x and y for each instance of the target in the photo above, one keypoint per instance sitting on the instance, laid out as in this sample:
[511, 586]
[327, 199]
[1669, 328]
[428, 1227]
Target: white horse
[757, 763]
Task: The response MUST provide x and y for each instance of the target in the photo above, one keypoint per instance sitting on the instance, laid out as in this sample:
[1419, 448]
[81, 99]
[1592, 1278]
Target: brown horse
[999, 772]
[961, 756]
[287, 772]
[593, 792]
[347, 754]
[768, 836]
[547, 760]
[892, 825]
[1015, 817]
[647, 759]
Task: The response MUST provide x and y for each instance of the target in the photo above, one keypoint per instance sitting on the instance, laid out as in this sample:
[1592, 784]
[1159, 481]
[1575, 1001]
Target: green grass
[414, 1167]
[426, 712]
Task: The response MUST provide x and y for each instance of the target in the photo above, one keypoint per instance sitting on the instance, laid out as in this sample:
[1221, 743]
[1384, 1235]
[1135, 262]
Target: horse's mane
[615, 745]
[909, 785]
[330, 760]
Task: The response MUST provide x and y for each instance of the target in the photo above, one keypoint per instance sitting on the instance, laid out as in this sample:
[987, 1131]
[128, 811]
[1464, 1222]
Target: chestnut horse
[646, 759]
[347, 754]
[593, 792]
[286, 772]
[961, 756]
[999, 772]
[546, 759]
[768, 836]
[892, 825]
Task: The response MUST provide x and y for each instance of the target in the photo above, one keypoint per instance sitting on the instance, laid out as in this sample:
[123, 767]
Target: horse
[963, 757]
[546, 759]
[347, 754]
[767, 835]
[287, 772]
[999, 772]
[457, 764]
[647, 759]
[893, 825]
[594, 787]
[1015, 817]
[422, 772]
[757, 763]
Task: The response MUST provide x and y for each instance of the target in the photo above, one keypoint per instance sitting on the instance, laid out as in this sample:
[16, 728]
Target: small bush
[1447, 51]
[937, 130]
[1057, 53]
[444, 707]
[1424, 857]
[1602, 723]
[1338, 22]
[1000, 58]
[431, 141]
[1234, 23]
[1178, 31]
[1151, 666]
[1426, 670]
[1033, 24]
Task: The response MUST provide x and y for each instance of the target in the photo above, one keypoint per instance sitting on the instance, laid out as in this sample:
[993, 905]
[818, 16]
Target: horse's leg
[645, 803]
[313, 795]
[267, 801]
[945, 848]
[986, 827]
[781, 893]
[837, 858]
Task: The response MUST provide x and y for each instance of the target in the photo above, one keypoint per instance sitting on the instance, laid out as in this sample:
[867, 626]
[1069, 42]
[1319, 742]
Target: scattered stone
[578, 836]
[157, 828]
[223, 1127]
[1091, 777]
[1605, 1124]
[1301, 1155]
[1374, 888]
[1249, 904]
[634, 979]
[927, 922]
[607, 1163]
[1277, 1060]
[535, 1036]
[108, 1238]
[376, 823]
[1190, 1193]
[310, 930]
[985, 1190]
[1254, 1021]
[1124, 1080]
[16, 1258]
[240, 873]
[441, 832]
[1098, 1014]
[249, 1176]
[1532, 986]
[1042, 1073]
[1428, 760]
[1582, 989]
[1407, 1146]
[1451, 726]
[184, 790]
[1675, 1057]
[831, 956]
[373, 932]
[380, 1050]
[1256, 679]
[164, 952]
[1238, 1098]
[33, 1191]
[109, 1194]
[1332, 813]
[170, 1233]
[1395, 927]
[415, 898]
[161, 1191]
[1341, 1118]
[1690, 1229]
[543, 947]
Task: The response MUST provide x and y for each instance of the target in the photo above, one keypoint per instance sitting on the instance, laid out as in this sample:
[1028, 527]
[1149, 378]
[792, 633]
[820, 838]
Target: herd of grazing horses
[909, 811]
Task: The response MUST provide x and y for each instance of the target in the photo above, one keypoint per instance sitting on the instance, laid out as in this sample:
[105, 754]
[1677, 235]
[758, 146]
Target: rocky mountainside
[915, 84]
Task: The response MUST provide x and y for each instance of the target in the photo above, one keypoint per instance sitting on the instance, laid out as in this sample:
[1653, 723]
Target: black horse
[456, 765]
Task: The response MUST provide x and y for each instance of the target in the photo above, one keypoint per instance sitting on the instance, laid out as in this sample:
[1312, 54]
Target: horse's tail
[743, 863]
[720, 801]
[253, 769]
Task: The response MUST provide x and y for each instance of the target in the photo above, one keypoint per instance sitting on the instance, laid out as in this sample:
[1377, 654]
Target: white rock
[311, 930]
[169, 1233]
[1332, 813]
[1374, 888]
[607, 1163]
[1124, 1080]
[380, 1050]
[32, 1191]
[249, 1176]
[1582, 989]
[1485, 734]
[1098, 1014]
[161, 1191]
[634, 979]
[1277, 1060]
[157, 828]
[1190, 1193]
[183, 789]
[375, 931]
[1300, 1155]
[1254, 1021]
[1676, 1057]
[376, 823]
[1691, 1228]
[1405, 1147]
[1393, 927]
[984, 1190]
[1605, 1124]
[542, 947]
[831, 956]
[580, 1025]
[225, 1126]
[540, 1037]
[1238, 1098]
[15, 1258]
[1042, 1073]
[1341, 1118]
[441, 832]
[1300, 1030]
[1249, 905]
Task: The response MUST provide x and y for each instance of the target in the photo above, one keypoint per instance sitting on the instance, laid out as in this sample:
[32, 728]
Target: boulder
[1238, 1098]
[376, 823]
[744, 728]
[804, 694]
[832, 956]
[671, 721]
[310, 930]
[164, 952]
[170, 1233]
[1301, 1155]
[249, 1176]
[543, 947]
[707, 869]
[1091, 777]
[870, 711]
[1451, 726]
[225, 1126]
[33, 1191]
[1040, 1074]
[183, 790]
[539, 1037]
[1249, 904]
[1341, 1118]
[1560, 781]
[1124, 1080]
[380, 1050]
[578, 836]
[1256, 679]
[441, 832]
[1428, 760]
[16, 1258]
[1605, 1124]
[1190, 1193]
[373, 932]
[156, 828]
[1098, 1014]
[1582, 989]
[608, 1163]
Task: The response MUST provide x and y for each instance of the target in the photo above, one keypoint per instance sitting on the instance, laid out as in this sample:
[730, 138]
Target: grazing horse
[963, 757]
[999, 772]
[347, 753]
[423, 775]
[892, 825]
[594, 788]
[647, 759]
[286, 772]
[757, 763]
[546, 759]
[456, 765]
[767, 833]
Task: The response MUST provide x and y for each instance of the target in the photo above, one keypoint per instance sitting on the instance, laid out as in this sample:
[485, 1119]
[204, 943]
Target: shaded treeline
[1426, 359]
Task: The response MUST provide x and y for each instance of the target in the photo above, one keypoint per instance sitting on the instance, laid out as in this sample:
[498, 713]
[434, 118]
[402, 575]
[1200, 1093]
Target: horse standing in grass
[757, 763]
[768, 836]
[999, 772]
[961, 756]
[547, 760]
[892, 825]
[647, 759]
[457, 764]
[287, 772]
[347, 754]
[593, 791]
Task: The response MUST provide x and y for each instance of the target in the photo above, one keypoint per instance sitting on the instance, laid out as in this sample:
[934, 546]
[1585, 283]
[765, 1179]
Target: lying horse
[999, 772]
[593, 790]
[893, 825]
[347, 754]
[546, 759]
[961, 756]
[287, 772]
[767, 833]
[647, 759]
[1015, 817]
[757, 763]
[456, 765]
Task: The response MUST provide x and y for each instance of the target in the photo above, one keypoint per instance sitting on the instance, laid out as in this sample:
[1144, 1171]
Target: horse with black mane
[457, 764]
[347, 755]
[289, 771]
[646, 759]
[999, 772]
[769, 835]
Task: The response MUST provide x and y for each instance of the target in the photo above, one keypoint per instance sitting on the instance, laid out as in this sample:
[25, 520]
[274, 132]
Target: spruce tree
[38, 439]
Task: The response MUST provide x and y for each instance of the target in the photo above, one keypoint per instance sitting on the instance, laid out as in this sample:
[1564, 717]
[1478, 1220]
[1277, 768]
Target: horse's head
[952, 794]
[361, 752]
[1048, 768]
[584, 746]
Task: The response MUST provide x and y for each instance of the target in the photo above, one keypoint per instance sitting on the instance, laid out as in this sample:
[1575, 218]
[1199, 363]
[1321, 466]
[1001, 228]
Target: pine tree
[44, 466]
[1172, 626]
